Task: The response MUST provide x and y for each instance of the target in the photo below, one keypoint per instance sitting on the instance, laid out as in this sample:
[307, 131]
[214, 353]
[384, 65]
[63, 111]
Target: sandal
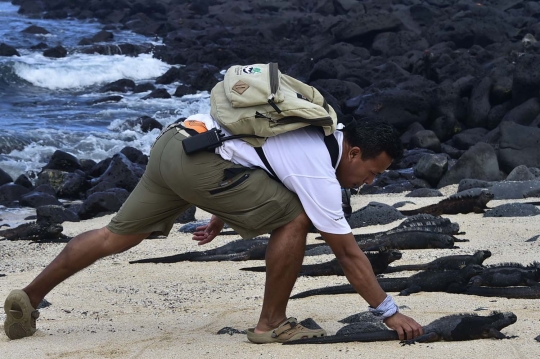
[20, 315]
[290, 329]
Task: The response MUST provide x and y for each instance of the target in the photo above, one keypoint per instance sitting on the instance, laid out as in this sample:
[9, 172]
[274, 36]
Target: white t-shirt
[301, 161]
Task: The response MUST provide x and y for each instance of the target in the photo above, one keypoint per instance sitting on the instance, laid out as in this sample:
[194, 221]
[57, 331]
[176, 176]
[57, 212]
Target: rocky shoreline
[459, 79]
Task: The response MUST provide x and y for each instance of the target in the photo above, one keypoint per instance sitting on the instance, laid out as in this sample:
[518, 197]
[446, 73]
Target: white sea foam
[81, 70]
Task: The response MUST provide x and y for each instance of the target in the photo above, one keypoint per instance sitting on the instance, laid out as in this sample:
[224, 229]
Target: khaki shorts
[248, 200]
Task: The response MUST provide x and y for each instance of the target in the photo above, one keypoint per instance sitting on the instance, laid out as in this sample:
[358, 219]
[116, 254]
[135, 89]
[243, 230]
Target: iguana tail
[507, 292]
[338, 289]
[255, 269]
[378, 336]
[170, 259]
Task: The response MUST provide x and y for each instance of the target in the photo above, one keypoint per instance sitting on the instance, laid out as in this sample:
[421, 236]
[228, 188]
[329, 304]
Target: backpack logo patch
[251, 70]
[240, 87]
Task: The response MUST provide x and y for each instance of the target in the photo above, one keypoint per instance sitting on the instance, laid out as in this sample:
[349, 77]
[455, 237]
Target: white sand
[119, 310]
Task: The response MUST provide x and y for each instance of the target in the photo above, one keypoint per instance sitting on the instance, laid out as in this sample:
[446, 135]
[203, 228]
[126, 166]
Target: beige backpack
[260, 102]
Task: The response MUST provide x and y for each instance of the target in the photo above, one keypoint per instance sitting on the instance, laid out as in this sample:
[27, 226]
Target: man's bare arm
[359, 272]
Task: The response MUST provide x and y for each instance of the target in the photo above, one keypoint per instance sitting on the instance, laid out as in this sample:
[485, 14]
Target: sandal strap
[284, 327]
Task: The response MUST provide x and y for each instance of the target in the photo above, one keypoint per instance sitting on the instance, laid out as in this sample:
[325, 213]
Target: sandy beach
[119, 310]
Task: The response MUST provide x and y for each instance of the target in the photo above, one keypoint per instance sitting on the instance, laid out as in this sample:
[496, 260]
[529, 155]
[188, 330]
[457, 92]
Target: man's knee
[117, 243]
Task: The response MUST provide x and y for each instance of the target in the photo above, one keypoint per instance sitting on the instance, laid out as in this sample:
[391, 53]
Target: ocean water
[45, 102]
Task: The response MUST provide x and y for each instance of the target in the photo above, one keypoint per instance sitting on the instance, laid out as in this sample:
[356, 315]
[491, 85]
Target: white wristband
[386, 309]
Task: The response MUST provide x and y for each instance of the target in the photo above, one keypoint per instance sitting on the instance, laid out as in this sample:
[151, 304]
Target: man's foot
[20, 315]
[290, 329]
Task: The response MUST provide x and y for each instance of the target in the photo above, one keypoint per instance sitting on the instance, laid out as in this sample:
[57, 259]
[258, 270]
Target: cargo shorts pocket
[228, 184]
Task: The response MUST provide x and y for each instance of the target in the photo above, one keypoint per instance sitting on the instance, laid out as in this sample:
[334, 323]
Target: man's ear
[355, 152]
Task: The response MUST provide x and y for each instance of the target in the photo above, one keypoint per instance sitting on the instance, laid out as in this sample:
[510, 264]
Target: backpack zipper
[274, 83]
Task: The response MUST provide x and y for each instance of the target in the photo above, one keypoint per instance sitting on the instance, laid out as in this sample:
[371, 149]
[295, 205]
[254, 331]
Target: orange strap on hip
[195, 125]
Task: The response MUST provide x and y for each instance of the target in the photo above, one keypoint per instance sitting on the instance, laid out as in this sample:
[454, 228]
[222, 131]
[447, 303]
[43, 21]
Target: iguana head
[484, 254]
[486, 196]
[500, 320]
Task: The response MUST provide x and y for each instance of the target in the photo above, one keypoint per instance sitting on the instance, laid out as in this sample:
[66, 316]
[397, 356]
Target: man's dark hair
[373, 138]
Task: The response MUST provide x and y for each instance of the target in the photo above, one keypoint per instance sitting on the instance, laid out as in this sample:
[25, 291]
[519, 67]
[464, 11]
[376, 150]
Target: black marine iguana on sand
[379, 262]
[37, 232]
[456, 327]
[450, 281]
[239, 250]
[472, 201]
[457, 261]
[508, 275]
[409, 240]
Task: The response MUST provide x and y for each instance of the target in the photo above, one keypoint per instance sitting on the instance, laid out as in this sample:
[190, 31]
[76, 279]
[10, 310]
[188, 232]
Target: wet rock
[431, 168]
[63, 161]
[45, 188]
[5, 177]
[425, 139]
[102, 203]
[10, 193]
[114, 98]
[520, 173]
[184, 90]
[55, 214]
[103, 36]
[23, 181]
[121, 172]
[135, 155]
[146, 123]
[158, 93]
[144, 87]
[122, 85]
[73, 186]
[55, 52]
[6, 50]
[513, 210]
[100, 187]
[518, 145]
[36, 30]
[37, 199]
[39, 46]
[479, 162]
[54, 178]
[172, 75]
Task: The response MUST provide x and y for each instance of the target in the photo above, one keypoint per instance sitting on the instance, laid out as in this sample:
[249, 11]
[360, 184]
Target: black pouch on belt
[207, 141]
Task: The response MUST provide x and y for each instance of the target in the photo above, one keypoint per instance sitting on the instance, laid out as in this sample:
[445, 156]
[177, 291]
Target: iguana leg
[410, 290]
[424, 338]
[494, 333]
[461, 240]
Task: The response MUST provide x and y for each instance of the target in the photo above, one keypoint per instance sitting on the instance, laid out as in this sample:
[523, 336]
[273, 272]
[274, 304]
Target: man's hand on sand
[206, 234]
[407, 328]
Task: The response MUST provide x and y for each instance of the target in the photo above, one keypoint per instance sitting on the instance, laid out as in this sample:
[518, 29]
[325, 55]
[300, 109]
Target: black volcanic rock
[6, 50]
[56, 52]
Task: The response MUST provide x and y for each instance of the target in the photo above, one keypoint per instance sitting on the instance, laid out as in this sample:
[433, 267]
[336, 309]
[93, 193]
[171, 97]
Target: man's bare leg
[284, 257]
[79, 253]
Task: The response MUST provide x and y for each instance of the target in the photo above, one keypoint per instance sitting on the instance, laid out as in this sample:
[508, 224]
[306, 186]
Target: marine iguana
[444, 263]
[409, 240]
[456, 327]
[508, 275]
[379, 262]
[239, 250]
[449, 281]
[2, 275]
[472, 201]
[37, 232]
[507, 292]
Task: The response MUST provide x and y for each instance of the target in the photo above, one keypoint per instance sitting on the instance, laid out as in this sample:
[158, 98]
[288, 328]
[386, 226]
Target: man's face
[354, 172]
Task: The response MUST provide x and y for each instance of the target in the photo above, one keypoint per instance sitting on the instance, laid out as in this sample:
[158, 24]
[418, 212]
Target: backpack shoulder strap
[331, 145]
